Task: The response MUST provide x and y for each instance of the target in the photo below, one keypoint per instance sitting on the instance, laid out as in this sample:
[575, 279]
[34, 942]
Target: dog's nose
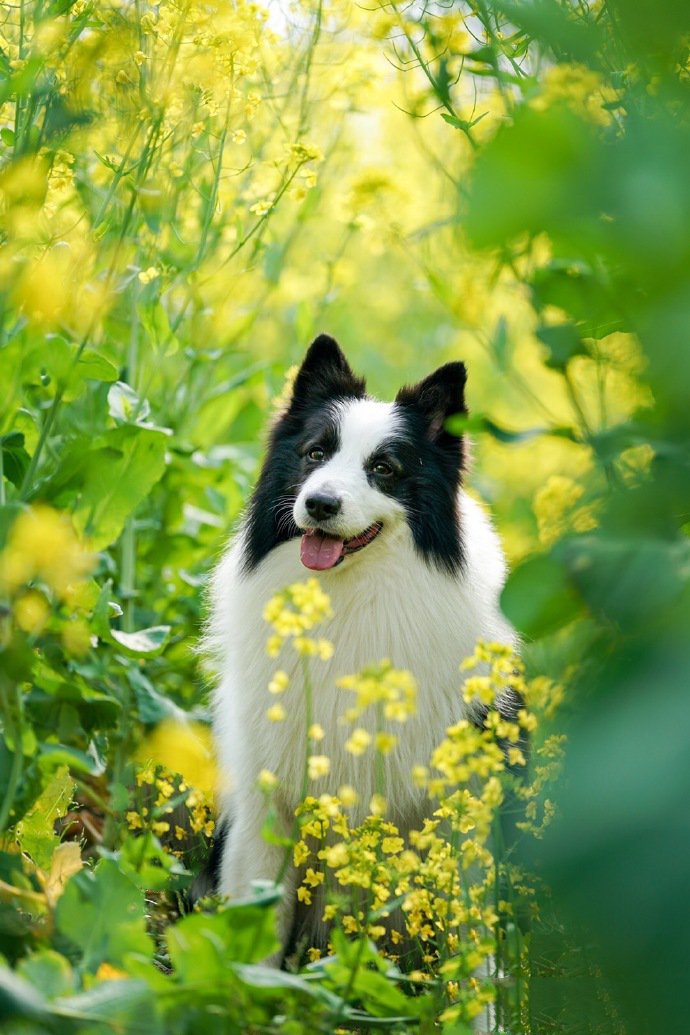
[320, 506]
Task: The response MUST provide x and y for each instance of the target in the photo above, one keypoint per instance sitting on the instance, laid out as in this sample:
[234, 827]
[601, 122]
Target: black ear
[325, 374]
[439, 396]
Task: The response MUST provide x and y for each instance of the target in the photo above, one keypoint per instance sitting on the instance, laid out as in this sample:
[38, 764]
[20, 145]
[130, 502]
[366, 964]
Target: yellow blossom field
[189, 194]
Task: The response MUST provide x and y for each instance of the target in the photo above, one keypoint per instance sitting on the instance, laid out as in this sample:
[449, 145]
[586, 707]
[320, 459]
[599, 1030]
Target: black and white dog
[368, 495]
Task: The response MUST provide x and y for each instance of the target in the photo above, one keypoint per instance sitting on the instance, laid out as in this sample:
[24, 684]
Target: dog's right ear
[325, 374]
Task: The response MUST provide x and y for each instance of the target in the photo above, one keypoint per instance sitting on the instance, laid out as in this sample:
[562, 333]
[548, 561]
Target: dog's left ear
[439, 396]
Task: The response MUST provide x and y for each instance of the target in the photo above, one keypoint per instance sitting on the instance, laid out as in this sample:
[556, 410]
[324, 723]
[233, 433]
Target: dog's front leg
[247, 857]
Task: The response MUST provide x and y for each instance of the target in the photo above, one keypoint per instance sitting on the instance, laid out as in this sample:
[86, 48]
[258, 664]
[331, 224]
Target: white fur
[364, 424]
[388, 602]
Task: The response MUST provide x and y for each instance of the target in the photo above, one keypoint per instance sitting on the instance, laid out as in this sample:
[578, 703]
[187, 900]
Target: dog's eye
[317, 454]
[382, 468]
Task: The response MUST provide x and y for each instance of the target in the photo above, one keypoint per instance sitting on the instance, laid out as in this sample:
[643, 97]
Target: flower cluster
[583, 90]
[389, 690]
[558, 510]
[175, 767]
[44, 564]
[428, 896]
[293, 613]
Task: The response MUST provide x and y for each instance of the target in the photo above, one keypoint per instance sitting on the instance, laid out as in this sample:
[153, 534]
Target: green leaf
[534, 176]
[49, 971]
[102, 913]
[116, 476]
[146, 863]
[36, 830]
[562, 343]
[124, 1005]
[146, 641]
[462, 124]
[478, 423]
[65, 365]
[19, 1000]
[152, 705]
[375, 981]
[539, 598]
[240, 933]
[609, 572]
[15, 458]
[51, 756]
[571, 285]
[269, 979]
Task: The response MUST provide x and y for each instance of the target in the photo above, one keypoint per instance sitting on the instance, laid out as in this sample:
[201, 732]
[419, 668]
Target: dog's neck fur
[388, 602]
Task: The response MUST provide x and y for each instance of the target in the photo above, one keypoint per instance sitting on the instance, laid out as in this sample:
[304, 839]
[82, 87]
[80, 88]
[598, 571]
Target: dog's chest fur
[388, 602]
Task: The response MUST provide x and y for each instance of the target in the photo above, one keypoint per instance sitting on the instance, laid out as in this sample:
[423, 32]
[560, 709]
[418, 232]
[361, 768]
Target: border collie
[367, 496]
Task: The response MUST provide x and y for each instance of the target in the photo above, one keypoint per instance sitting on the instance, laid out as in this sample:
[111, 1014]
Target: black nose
[321, 507]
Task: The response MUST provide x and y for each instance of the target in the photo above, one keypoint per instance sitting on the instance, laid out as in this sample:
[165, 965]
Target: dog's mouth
[320, 551]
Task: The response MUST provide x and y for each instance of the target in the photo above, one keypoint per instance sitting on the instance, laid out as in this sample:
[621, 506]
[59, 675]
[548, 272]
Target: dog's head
[343, 470]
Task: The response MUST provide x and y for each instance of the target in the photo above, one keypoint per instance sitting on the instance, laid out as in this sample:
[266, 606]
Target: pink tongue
[319, 551]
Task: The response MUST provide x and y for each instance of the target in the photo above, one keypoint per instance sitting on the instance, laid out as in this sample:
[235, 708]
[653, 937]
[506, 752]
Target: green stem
[27, 481]
[15, 731]
[128, 546]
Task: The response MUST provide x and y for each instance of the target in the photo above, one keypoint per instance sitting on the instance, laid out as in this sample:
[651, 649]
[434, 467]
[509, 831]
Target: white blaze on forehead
[364, 424]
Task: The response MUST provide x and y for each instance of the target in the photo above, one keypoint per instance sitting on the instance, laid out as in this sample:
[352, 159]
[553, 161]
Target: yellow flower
[133, 820]
[42, 544]
[106, 972]
[146, 276]
[318, 766]
[31, 612]
[556, 510]
[185, 748]
[385, 742]
[583, 90]
[335, 856]
[76, 637]
[316, 732]
[324, 649]
[273, 646]
[378, 805]
[348, 796]
[304, 895]
[279, 683]
[392, 844]
[313, 878]
[300, 853]
[276, 713]
[267, 780]
[358, 742]
[382, 684]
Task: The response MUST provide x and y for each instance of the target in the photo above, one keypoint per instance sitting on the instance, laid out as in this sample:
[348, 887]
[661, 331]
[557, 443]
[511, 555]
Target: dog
[367, 497]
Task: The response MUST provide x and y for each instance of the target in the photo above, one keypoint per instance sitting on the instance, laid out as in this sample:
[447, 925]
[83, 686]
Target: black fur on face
[324, 377]
[420, 465]
[434, 470]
